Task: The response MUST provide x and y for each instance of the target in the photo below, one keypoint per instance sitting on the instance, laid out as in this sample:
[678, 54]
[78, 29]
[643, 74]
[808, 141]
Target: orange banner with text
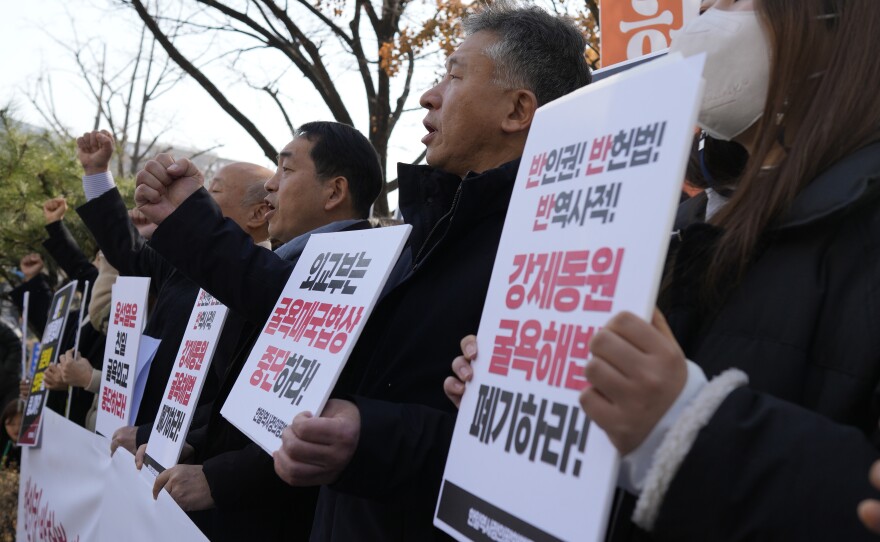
[634, 28]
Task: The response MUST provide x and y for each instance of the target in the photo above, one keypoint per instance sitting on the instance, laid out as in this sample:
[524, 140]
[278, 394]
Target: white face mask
[737, 70]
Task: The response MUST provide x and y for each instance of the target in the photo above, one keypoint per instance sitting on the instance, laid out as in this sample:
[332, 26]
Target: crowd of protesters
[747, 408]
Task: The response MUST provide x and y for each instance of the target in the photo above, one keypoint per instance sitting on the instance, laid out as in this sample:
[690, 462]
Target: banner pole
[79, 326]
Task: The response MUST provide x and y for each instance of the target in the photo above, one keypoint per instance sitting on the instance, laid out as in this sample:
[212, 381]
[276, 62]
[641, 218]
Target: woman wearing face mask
[776, 299]
[782, 284]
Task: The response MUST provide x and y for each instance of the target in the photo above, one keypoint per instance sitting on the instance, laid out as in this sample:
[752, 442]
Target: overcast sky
[29, 31]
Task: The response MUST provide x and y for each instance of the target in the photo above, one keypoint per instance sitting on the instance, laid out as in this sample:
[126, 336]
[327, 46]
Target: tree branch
[327, 22]
[401, 100]
[206, 84]
[318, 74]
[274, 95]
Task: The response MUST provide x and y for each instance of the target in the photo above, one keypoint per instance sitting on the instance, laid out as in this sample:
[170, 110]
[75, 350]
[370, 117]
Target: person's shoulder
[691, 211]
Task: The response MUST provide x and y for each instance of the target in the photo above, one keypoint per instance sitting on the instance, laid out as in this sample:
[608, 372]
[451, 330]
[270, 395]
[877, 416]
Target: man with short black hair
[327, 178]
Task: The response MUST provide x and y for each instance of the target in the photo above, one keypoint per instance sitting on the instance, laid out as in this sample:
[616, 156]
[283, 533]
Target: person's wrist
[94, 170]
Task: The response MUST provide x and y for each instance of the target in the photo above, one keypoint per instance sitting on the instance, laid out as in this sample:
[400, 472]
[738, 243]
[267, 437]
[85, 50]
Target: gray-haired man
[380, 452]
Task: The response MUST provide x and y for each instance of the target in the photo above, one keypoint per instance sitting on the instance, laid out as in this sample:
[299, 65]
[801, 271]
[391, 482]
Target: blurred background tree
[34, 167]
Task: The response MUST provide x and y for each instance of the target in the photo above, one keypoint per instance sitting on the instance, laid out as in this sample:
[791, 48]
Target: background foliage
[34, 167]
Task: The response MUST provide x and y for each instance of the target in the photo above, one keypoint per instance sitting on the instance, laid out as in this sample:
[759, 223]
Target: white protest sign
[185, 383]
[71, 490]
[62, 483]
[129, 512]
[128, 307]
[315, 323]
[585, 238]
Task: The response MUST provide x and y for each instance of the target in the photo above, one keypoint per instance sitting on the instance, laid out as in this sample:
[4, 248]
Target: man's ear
[337, 194]
[257, 215]
[521, 112]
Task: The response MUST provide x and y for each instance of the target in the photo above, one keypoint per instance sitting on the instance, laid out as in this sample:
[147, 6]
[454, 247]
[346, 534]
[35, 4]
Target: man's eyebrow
[284, 154]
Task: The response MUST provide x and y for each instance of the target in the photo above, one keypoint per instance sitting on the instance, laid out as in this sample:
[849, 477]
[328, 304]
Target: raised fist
[164, 184]
[31, 265]
[54, 209]
[94, 150]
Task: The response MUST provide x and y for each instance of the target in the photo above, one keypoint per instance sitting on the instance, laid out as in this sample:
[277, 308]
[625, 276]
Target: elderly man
[238, 188]
[326, 181]
[378, 454]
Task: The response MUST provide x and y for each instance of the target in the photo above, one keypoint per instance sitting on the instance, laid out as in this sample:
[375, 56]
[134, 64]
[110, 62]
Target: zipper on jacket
[417, 259]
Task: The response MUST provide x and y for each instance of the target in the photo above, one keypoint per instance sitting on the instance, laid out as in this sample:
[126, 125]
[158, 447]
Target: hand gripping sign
[585, 238]
[315, 323]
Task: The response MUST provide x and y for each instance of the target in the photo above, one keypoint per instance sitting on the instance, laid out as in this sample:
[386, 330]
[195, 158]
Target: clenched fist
[54, 209]
[94, 150]
[164, 184]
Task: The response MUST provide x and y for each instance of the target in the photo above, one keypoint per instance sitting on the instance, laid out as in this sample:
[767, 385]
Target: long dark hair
[822, 105]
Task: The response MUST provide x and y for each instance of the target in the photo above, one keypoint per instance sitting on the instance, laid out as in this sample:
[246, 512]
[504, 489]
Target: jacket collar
[485, 194]
[294, 248]
[425, 195]
[428, 194]
[840, 186]
[424, 184]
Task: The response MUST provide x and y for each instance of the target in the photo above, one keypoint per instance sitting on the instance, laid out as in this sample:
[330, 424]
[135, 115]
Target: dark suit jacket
[107, 218]
[251, 501]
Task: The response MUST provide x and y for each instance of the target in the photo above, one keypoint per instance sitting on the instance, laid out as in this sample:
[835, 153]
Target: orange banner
[633, 28]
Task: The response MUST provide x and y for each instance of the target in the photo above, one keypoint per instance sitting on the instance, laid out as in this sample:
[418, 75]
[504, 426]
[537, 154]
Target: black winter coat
[63, 248]
[396, 370]
[787, 457]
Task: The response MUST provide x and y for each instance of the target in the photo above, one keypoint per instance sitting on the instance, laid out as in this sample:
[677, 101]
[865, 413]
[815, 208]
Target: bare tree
[122, 95]
[380, 41]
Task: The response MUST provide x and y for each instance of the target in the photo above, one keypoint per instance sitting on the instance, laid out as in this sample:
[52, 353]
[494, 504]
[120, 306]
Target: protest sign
[29, 434]
[129, 512]
[185, 383]
[614, 69]
[585, 238]
[632, 28]
[71, 490]
[62, 483]
[315, 323]
[128, 314]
